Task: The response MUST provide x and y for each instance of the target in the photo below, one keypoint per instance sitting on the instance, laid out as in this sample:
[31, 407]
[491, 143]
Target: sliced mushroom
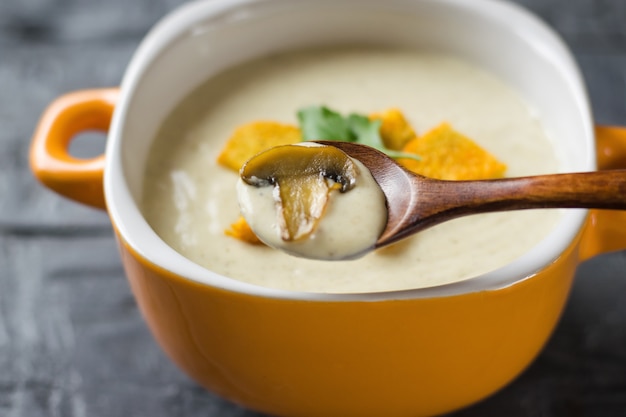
[303, 178]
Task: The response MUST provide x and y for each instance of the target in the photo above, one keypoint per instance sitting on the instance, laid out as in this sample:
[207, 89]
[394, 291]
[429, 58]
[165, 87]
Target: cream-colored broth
[189, 200]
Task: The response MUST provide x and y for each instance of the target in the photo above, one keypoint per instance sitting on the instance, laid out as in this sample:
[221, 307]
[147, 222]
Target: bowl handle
[78, 179]
[605, 230]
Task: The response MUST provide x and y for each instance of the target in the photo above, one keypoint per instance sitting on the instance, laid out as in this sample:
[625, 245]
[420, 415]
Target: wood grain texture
[415, 203]
[72, 342]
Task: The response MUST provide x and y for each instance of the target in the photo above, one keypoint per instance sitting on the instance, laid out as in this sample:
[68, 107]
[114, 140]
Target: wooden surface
[72, 342]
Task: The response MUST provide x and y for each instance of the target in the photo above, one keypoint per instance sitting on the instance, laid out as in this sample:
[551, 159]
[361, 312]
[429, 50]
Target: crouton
[242, 231]
[251, 138]
[395, 130]
[449, 155]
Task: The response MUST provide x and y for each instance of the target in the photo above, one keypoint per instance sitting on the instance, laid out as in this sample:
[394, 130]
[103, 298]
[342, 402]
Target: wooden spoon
[415, 202]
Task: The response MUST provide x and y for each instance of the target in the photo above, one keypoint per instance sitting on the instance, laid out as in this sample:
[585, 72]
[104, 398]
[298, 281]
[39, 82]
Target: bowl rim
[134, 230]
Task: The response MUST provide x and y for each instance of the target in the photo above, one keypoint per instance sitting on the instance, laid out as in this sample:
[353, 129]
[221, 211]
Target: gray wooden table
[72, 342]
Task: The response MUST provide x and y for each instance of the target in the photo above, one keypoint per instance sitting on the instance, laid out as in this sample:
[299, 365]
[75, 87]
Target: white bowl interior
[204, 38]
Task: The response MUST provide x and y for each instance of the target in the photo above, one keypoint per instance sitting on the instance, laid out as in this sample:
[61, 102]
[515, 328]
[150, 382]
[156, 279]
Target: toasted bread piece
[447, 154]
[250, 139]
[242, 231]
[395, 130]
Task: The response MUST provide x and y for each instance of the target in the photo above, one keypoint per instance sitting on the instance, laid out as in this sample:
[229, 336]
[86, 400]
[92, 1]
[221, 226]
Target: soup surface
[190, 200]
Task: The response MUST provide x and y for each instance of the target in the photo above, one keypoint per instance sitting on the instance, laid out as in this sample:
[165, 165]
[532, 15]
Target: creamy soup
[190, 200]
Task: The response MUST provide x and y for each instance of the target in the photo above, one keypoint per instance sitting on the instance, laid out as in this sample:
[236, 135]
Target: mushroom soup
[189, 199]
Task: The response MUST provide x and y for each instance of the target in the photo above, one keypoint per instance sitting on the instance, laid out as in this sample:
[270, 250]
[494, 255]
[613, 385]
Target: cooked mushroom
[303, 178]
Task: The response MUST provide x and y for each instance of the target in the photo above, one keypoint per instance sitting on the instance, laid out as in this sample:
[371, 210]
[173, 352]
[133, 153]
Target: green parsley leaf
[367, 131]
[322, 123]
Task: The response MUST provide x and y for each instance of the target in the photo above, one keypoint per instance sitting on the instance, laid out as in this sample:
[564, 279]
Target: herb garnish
[322, 123]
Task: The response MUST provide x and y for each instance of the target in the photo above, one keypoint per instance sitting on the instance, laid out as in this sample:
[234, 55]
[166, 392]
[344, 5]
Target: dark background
[72, 342]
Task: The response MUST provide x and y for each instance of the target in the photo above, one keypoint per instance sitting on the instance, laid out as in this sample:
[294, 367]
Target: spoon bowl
[415, 202]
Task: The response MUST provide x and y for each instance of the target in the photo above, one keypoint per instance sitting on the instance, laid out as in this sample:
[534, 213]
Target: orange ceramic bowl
[406, 353]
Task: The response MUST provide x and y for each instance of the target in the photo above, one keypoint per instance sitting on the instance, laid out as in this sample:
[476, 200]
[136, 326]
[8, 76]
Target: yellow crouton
[395, 131]
[250, 139]
[448, 155]
[242, 231]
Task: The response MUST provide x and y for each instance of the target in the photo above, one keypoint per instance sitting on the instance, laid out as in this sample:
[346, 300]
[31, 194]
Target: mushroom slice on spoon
[303, 178]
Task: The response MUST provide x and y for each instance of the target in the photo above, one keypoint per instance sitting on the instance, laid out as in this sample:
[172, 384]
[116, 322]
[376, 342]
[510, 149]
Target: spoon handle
[436, 201]
[602, 189]
[415, 202]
